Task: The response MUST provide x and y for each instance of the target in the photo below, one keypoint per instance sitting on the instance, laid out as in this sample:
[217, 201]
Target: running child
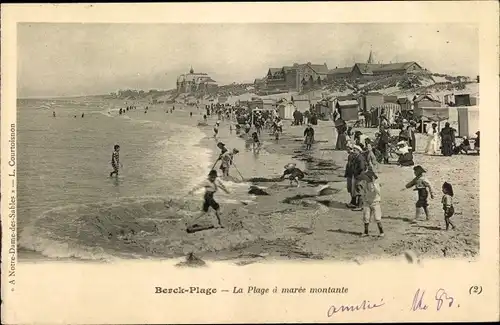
[115, 161]
[423, 188]
[211, 185]
[371, 202]
[447, 202]
[294, 174]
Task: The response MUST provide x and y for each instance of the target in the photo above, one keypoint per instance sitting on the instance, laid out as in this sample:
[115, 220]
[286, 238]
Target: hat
[413, 123]
[477, 133]
[401, 143]
[356, 147]
[448, 187]
[419, 169]
[221, 144]
[213, 173]
[235, 151]
[289, 166]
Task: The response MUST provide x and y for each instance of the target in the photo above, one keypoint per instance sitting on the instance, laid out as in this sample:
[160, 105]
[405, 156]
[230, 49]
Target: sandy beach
[297, 223]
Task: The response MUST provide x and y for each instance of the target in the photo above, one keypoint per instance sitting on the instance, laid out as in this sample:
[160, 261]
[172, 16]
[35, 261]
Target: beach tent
[324, 109]
[302, 104]
[348, 109]
[285, 111]
[434, 114]
[269, 104]
[389, 109]
[468, 121]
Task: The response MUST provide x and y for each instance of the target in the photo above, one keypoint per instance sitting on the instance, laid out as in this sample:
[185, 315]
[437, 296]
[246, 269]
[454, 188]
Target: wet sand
[296, 223]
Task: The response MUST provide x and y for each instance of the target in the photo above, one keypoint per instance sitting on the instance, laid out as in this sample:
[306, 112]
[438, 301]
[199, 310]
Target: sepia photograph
[236, 164]
[331, 141]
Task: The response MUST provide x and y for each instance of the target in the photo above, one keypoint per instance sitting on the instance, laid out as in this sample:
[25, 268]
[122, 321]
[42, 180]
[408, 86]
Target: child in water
[227, 160]
[216, 129]
[423, 188]
[294, 174]
[115, 161]
[256, 141]
[211, 185]
[447, 202]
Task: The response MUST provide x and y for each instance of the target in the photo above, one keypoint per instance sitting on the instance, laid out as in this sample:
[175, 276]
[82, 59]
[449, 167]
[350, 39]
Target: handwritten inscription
[441, 297]
[364, 305]
[418, 301]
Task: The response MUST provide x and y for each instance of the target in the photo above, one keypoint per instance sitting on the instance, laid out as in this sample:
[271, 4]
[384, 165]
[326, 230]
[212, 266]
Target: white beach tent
[468, 121]
[389, 109]
[285, 111]
[302, 104]
[434, 114]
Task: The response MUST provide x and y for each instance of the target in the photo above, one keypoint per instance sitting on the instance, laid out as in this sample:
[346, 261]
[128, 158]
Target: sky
[62, 59]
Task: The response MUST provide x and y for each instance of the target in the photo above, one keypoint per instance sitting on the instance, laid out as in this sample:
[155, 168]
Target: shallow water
[69, 207]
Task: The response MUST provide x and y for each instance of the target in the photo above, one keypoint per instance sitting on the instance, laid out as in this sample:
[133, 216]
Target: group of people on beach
[361, 175]
[361, 170]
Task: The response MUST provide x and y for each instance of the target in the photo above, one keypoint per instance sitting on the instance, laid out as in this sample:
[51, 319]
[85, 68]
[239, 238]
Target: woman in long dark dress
[447, 140]
[341, 135]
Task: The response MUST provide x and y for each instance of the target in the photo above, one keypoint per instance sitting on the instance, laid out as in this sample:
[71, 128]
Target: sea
[69, 207]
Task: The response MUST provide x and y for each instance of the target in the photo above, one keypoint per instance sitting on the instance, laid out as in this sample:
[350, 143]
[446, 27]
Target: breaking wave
[146, 227]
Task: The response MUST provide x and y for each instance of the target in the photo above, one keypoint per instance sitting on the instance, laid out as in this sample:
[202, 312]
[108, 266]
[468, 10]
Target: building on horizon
[195, 82]
[371, 69]
[296, 77]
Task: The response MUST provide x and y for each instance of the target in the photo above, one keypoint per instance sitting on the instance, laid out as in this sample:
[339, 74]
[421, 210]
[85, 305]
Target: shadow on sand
[302, 230]
[341, 231]
[400, 218]
[430, 227]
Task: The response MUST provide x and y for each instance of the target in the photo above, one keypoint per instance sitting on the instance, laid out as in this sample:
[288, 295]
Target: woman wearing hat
[405, 155]
[341, 128]
[411, 134]
[358, 166]
[309, 136]
[447, 140]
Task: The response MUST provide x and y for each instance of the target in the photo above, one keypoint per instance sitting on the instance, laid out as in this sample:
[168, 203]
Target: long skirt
[447, 147]
[341, 142]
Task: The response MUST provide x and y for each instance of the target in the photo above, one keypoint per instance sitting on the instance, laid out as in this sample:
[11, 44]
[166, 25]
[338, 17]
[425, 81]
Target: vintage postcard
[250, 163]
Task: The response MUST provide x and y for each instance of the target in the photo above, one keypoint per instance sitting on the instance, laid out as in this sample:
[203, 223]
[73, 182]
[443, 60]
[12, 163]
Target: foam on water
[131, 227]
[120, 227]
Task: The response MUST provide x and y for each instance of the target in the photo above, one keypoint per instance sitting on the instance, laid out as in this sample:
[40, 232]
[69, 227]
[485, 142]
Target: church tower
[370, 57]
[191, 71]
